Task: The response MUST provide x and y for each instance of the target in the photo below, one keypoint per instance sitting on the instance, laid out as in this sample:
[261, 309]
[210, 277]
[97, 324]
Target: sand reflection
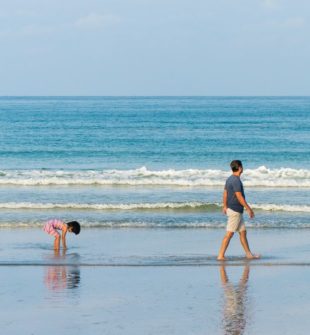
[236, 306]
[62, 277]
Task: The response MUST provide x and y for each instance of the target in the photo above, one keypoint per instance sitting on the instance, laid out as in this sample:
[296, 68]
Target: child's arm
[64, 233]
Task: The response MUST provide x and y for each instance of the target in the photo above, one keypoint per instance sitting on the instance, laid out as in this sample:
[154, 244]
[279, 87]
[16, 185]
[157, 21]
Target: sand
[154, 281]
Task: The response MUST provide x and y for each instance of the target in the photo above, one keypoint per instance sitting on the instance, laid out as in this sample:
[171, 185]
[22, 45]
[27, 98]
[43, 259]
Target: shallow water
[150, 281]
[153, 248]
[169, 300]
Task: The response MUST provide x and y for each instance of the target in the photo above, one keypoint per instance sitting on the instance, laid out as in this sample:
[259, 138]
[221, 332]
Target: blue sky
[155, 47]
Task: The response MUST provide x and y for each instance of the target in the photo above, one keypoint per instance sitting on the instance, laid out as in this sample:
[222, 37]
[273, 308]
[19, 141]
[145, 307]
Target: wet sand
[142, 281]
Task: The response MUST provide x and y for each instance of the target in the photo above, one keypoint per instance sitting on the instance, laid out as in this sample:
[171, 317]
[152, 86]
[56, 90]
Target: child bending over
[53, 225]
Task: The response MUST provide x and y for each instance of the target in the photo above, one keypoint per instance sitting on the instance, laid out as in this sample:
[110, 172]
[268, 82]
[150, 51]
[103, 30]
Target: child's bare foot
[252, 256]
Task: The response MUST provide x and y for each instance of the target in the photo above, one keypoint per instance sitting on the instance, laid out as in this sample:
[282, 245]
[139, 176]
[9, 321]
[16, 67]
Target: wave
[282, 208]
[259, 177]
[161, 225]
[138, 206]
[161, 206]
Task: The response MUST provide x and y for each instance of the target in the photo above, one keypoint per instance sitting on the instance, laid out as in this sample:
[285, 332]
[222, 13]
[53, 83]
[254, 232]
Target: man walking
[233, 205]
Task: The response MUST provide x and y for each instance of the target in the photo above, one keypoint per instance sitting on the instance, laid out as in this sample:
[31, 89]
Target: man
[233, 205]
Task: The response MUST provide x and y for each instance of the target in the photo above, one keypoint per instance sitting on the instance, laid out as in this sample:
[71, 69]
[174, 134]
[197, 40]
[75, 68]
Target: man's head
[236, 166]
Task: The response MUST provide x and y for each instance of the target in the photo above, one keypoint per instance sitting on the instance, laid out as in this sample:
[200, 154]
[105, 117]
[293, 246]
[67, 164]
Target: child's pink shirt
[51, 226]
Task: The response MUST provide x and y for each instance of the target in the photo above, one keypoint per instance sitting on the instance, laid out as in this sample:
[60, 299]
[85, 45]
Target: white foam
[195, 205]
[262, 176]
[130, 206]
[282, 208]
[162, 225]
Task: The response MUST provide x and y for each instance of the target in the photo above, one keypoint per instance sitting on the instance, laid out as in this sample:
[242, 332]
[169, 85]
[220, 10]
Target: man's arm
[225, 201]
[244, 204]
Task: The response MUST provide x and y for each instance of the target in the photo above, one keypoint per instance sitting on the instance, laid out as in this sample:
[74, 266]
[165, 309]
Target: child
[53, 225]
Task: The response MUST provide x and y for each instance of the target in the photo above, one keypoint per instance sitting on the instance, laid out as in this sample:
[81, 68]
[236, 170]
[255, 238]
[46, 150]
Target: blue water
[156, 132]
[160, 161]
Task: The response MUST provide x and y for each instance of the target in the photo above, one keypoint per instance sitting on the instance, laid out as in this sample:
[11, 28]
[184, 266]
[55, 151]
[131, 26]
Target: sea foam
[161, 206]
[259, 177]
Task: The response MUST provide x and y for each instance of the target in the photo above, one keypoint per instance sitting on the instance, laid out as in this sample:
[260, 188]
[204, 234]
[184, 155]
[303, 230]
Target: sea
[152, 162]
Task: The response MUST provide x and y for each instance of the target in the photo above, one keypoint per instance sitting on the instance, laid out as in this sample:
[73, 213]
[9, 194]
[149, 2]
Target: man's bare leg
[245, 244]
[224, 246]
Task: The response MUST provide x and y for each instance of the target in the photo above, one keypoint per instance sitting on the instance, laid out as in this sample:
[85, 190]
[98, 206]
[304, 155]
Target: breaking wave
[161, 225]
[260, 177]
[161, 206]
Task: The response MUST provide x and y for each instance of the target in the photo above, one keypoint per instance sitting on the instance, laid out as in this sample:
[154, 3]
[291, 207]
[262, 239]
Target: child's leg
[49, 229]
[224, 246]
[57, 243]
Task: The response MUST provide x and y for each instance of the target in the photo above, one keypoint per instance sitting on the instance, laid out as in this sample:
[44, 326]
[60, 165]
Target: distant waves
[259, 177]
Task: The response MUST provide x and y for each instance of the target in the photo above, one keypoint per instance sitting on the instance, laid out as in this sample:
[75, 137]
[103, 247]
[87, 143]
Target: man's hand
[225, 202]
[250, 212]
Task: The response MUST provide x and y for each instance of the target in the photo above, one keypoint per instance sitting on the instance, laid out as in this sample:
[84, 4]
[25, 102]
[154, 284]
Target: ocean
[152, 162]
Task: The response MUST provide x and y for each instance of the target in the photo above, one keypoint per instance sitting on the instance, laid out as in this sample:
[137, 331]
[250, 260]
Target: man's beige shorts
[235, 222]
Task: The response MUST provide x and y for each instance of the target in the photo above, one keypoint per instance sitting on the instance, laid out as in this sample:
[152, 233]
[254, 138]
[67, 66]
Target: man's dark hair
[235, 165]
[75, 227]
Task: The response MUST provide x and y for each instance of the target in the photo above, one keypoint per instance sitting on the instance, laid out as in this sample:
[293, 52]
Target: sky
[154, 47]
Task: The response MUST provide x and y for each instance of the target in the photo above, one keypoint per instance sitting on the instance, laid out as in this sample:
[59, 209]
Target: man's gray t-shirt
[233, 185]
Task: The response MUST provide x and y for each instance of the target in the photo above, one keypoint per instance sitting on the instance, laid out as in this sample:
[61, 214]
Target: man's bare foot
[253, 256]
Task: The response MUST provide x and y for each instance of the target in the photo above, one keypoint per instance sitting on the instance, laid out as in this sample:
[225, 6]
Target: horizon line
[154, 96]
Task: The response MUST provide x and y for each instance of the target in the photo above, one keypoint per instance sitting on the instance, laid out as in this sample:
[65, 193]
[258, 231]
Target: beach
[149, 282]
[144, 176]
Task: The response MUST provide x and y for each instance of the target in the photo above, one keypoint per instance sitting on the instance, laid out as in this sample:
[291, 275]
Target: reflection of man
[234, 319]
[61, 277]
[233, 205]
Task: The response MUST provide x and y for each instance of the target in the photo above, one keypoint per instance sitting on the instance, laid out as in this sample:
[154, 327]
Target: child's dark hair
[235, 165]
[75, 227]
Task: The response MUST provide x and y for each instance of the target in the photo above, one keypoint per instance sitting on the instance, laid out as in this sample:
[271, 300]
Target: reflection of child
[56, 277]
[53, 225]
[60, 277]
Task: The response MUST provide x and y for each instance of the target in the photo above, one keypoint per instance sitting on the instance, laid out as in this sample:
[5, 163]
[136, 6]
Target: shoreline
[154, 247]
